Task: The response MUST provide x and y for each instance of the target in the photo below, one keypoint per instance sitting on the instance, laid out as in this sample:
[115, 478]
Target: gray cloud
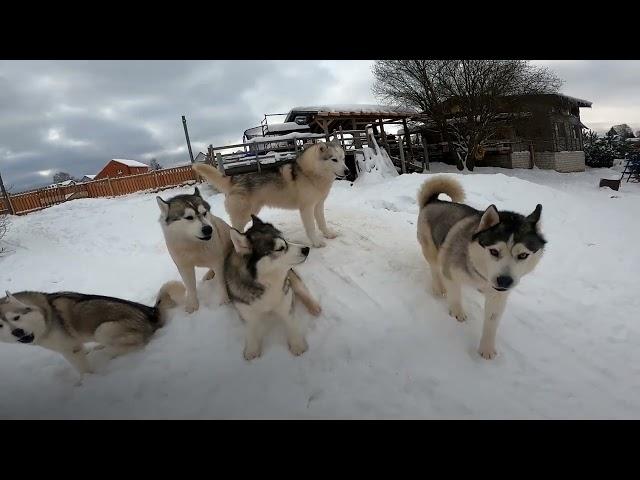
[612, 86]
[76, 115]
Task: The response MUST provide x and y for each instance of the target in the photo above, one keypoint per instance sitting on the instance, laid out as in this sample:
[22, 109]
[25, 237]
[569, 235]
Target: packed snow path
[384, 347]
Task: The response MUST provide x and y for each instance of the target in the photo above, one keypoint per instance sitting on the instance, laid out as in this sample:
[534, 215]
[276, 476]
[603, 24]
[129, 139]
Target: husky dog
[65, 321]
[195, 238]
[488, 250]
[303, 185]
[260, 281]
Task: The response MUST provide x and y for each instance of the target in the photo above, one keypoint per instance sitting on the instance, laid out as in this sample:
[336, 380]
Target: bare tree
[60, 177]
[623, 130]
[464, 98]
[154, 165]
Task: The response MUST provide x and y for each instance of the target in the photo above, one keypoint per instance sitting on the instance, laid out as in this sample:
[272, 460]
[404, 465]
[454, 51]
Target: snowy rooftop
[283, 138]
[90, 176]
[353, 108]
[286, 126]
[130, 163]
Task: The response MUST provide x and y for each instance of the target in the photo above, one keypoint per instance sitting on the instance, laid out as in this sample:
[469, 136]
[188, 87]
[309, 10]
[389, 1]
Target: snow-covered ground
[384, 347]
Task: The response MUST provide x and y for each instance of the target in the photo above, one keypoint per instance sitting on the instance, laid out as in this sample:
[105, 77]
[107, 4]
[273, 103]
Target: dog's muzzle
[22, 336]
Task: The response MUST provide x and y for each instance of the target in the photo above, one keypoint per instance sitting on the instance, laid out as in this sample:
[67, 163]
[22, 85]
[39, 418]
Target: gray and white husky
[65, 321]
[260, 281]
[195, 238]
[488, 250]
[302, 185]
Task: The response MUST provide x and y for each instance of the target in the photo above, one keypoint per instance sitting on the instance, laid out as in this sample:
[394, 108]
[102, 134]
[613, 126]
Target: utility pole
[186, 134]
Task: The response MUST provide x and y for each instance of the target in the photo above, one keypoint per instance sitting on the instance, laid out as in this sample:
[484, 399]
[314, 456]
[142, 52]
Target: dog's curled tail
[213, 176]
[170, 294]
[430, 190]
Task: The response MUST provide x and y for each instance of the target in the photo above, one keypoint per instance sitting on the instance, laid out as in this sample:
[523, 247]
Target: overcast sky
[76, 115]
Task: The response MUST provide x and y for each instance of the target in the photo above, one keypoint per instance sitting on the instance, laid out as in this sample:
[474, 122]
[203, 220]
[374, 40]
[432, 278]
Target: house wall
[561, 161]
[115, 169]
[520, 159]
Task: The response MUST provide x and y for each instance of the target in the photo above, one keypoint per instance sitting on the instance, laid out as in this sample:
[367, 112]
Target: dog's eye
[522, 256]
[280, 249]
[190, 217]
[334, 160]
[16, 318]
[494, 252]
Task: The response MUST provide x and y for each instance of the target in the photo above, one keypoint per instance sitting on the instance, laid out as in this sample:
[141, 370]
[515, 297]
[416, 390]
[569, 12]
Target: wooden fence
[33, 200]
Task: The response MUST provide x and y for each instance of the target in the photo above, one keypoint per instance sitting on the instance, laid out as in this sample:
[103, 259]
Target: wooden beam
[425, 162]
[408, 137]
[402, 162]
[384, 136]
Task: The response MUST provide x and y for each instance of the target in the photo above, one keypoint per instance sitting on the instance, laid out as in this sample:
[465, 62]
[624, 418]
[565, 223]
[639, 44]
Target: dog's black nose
[504, 281]
[207, 230]
[305, 251]
[18, 333]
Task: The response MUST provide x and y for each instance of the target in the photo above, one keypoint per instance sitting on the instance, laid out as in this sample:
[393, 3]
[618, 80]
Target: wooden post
[407, 134]
[6, 195]
[404, 166]
[110, 186]
[384, 136]
[342, 138]
[425, 162]
[219, 162]
[356, 137]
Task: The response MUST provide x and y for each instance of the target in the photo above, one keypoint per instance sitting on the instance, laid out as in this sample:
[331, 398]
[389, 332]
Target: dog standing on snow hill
[488, 250]
[65, 321]
[303, 185]
[195, 238]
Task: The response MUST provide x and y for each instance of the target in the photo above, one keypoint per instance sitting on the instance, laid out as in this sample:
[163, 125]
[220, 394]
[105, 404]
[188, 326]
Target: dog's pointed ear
[164, 206]
[534, 217]
[489, 218]
[322, 147]
[9, 295]
[256, 220]
[196, 192]
[240, 242]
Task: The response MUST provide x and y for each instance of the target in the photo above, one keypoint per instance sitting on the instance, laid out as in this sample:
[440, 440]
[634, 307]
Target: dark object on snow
[612, 184]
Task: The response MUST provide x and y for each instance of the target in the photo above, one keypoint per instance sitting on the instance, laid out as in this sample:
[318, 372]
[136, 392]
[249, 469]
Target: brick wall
[520, 159]
[570, 161]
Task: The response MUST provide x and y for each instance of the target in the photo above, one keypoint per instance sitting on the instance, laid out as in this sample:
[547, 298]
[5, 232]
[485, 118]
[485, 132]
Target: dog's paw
[299, 347]
[487, 352]
[330, 234]
[191, 306]
[318, 243]
[458, 314]
[314, 309]
[251, 353]
[438, 290]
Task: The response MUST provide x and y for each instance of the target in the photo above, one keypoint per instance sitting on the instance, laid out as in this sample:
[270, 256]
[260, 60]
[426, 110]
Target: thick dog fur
[487, 250]
[65, 321]
[302, 185]
[261, 281]
[195, 238]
